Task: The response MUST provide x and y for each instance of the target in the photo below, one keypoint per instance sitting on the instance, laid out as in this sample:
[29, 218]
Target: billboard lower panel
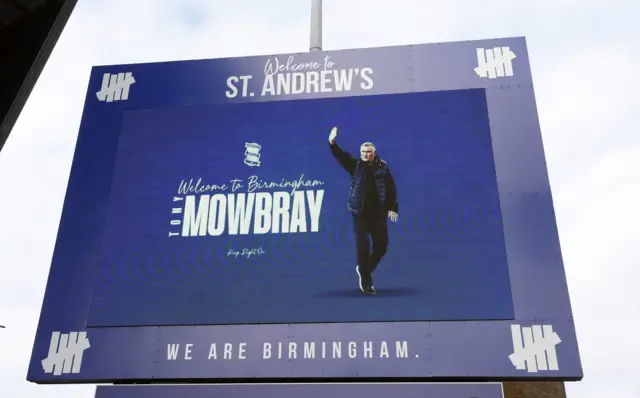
[370, 390]
[440, 350]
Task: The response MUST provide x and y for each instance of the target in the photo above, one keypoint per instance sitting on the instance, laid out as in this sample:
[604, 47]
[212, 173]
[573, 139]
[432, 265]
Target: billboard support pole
[316, 26]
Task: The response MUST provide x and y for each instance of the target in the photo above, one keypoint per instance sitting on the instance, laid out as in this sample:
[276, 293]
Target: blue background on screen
[446, 257]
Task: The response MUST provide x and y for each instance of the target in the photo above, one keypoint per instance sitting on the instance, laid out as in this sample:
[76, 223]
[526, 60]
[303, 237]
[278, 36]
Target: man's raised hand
[333, 135]
[393, 216]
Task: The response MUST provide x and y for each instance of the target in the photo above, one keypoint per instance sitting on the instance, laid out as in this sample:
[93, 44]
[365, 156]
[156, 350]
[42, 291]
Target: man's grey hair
[369, 144]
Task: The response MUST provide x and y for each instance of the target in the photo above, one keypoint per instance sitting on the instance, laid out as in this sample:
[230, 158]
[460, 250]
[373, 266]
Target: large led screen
[247, 213]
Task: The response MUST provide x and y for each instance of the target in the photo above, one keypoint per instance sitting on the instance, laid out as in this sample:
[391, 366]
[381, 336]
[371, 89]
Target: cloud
[597, 218]
[583, 57]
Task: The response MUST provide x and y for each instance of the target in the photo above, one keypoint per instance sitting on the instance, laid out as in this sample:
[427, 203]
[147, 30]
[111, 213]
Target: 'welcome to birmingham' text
[206, 211]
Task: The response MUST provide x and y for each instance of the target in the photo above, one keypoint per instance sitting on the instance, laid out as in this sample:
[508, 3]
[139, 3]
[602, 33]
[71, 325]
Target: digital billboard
[365, 213]
[370, 390]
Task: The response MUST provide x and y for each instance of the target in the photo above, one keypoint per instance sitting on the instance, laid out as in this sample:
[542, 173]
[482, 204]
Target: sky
[584, 55]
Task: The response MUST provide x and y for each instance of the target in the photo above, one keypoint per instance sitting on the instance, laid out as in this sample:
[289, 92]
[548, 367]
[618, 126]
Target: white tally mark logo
[495, 62]
[115, 87]
[65, 353]
[534, 348]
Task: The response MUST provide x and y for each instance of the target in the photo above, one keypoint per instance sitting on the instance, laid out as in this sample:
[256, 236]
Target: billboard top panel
[327, 74]
[224, 219]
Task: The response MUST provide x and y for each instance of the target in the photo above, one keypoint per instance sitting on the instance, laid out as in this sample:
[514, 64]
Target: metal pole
[316, 26]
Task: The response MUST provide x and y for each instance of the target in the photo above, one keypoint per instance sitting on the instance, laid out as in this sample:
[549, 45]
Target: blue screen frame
[438, 350]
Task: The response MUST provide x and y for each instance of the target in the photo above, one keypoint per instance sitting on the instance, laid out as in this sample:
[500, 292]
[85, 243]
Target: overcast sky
[584, 54]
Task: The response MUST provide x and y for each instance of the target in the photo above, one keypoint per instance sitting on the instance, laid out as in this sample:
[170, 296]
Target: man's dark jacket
[385, 188]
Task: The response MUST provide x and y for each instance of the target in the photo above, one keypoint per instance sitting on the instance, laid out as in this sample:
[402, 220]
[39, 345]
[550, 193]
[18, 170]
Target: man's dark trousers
[370, 225]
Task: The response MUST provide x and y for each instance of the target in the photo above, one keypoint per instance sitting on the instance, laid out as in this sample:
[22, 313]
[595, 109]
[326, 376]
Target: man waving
[372, 198]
